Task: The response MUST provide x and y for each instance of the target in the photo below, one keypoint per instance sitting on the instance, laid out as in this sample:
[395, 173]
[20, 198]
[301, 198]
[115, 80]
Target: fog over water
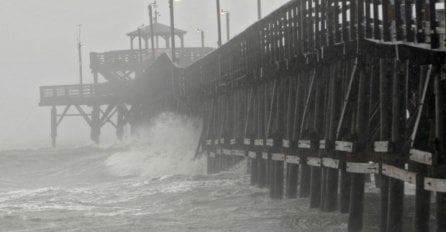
[38, 47]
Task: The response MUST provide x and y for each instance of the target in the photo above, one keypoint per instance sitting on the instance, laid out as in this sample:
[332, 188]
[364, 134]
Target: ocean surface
[150, 184]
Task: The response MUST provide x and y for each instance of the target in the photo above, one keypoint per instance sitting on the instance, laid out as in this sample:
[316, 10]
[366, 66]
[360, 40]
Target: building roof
[158, 30]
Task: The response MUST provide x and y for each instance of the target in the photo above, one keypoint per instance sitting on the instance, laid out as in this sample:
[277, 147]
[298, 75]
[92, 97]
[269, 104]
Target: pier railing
[309, 31]
[86, 94]
[123, 60]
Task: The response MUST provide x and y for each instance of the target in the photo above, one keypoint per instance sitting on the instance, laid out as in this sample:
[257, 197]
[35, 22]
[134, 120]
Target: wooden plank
[258, 142]
[304, 144]
[252, 154]
[270, 142]
[381, 146]
[398, 173]
[435, 185]
[238, 153]
[322, 144]
[286, 143]
[330, 163]
[419, 156]
[344, 146]
[363, 168]
[278, 157]
[247, 141]
[291, 159]
[314, 161]
[264, 155]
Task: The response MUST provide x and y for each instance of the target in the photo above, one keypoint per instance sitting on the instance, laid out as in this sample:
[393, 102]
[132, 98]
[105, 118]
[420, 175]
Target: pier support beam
[384, 136]
[292, 179]
[304, 183]
[355, 221]
[53, 125]
[315, 193]
[120, 122]
[253, 171]
[95, 124]
[396, 187]
[440, 151]
[344, 194]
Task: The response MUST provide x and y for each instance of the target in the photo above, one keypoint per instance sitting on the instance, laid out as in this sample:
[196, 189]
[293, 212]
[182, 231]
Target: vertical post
[419, 12]
[79, 49]
[202, 38]
[53, 126]
[140, 50]
[156, 23]
[146, 43]
[398, 20]
[368, 19]
[331, 179]
[95, 77]
[218, 22]
[386, 22]
[376, 28]
[355, 221]
[152, 40]
[228, 27]
[422, 197]
[439, 153]
[384, 135]
[131, 42]
[396, 187]
[435, 38]
[172, 30]
[409, 21]
[259, 9]
[315, 192]
[120, 122]
[95, 123]
[293, 169]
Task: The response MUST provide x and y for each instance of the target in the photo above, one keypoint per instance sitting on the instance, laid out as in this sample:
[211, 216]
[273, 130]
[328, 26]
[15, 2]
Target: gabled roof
[158, 30]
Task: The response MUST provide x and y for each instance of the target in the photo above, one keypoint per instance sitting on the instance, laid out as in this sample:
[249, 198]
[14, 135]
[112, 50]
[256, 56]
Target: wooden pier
[319, 95]
[111, 98]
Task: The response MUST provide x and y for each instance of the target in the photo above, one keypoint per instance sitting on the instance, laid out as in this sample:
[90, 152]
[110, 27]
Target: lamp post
[140, 48]
[228, 24]
[79, 50]
[259, 9]
[151, 31]
[172, 30]
[219, 23]
[202, 37]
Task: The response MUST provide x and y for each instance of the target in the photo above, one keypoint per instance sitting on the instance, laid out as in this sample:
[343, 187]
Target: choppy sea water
[142, 187]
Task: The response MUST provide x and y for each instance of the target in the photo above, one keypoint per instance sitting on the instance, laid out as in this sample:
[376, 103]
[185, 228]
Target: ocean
[149, 184]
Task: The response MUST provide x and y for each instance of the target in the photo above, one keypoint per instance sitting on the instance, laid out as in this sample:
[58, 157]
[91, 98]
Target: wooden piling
[355, 221]
[53, 126]
[396, 187]
[384, 136]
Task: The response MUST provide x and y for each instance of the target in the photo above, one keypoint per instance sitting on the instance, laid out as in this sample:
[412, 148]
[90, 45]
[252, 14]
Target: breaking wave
[166, 147]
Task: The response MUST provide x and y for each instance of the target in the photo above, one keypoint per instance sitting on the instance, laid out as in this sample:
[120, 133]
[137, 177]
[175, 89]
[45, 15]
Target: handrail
[130, 58]
[299, 34]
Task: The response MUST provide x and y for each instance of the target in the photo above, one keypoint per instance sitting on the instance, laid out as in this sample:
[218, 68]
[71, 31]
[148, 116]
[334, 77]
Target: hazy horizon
[38, 47]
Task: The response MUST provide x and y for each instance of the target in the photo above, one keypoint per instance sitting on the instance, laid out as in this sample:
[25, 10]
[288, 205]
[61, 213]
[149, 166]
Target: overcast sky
[38, 47]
